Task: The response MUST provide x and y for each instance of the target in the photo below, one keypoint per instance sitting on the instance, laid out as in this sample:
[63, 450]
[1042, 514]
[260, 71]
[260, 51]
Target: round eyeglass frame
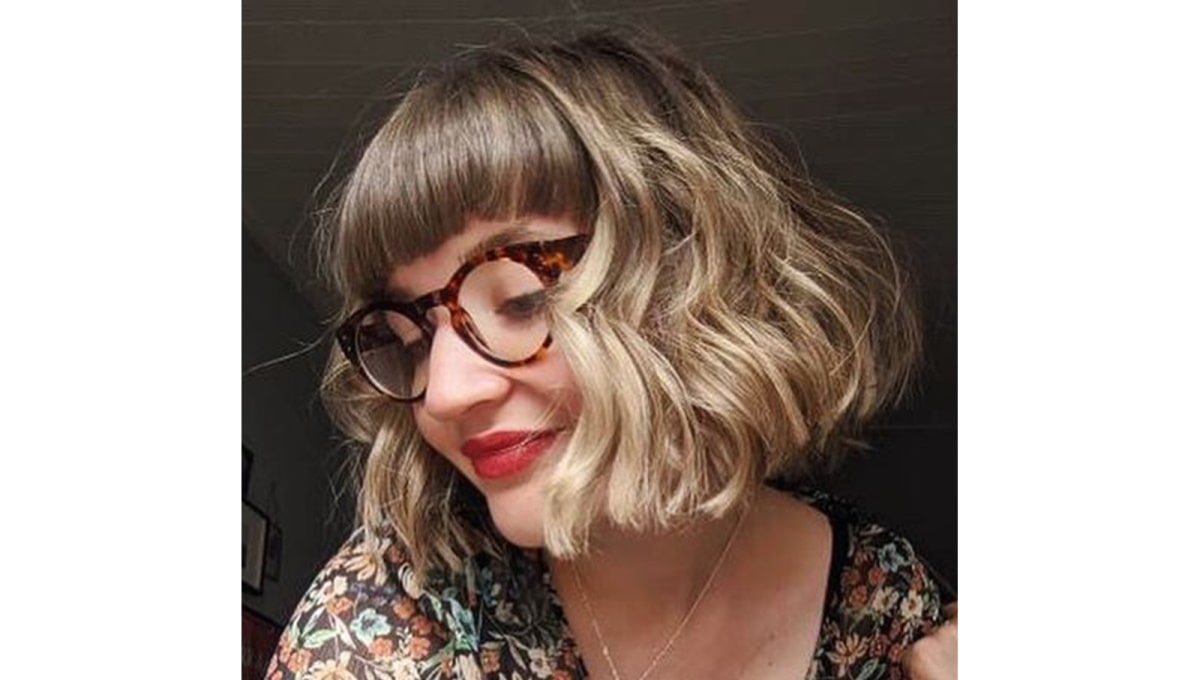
[546, 259]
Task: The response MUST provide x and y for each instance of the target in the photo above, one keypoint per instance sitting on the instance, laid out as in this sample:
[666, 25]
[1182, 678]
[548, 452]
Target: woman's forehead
[431, 271]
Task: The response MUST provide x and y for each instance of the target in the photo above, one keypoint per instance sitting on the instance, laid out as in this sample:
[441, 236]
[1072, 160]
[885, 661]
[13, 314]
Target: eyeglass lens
[505, 305]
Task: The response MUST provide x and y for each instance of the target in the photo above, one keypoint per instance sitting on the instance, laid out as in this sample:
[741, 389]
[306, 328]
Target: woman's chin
[518, 518]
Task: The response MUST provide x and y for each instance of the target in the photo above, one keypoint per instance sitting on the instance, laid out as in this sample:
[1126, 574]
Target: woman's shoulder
[364, 616]
[881, 596]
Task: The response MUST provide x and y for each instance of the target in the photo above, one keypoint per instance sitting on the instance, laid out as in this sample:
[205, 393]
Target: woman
[592, 327]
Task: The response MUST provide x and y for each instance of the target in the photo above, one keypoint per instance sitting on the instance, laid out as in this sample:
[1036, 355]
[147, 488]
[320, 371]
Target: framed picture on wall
[254, 546]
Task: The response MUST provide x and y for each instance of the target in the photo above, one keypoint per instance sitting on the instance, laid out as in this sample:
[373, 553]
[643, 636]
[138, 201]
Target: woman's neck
[763, 606]
[652, 576]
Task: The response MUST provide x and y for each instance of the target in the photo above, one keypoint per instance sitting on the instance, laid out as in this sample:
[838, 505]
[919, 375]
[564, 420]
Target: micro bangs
[483, 140]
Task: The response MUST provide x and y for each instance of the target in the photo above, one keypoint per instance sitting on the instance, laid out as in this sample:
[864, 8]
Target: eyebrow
[518, 233]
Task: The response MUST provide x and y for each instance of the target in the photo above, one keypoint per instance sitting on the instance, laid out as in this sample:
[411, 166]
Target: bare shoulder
[795, 515]
[795, 547]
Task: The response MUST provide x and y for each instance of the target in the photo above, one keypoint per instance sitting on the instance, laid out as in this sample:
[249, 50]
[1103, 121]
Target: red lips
[504, 453]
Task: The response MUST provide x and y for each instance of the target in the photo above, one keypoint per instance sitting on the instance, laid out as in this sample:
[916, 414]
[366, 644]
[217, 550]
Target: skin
[468, 396]
[640, 584]
[761, 615]
[935, 657]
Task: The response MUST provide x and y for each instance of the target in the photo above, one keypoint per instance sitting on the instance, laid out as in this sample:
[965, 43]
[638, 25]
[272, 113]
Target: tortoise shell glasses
[497, 304]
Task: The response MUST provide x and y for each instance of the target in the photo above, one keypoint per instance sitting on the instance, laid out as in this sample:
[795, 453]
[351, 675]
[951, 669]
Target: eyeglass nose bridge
[460, 320]
[447, 297]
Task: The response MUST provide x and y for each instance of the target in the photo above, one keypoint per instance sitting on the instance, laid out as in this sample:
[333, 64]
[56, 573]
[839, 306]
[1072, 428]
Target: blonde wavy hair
[730, 322]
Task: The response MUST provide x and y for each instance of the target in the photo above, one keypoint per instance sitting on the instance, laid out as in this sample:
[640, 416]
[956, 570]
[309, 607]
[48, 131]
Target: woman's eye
[524, 306]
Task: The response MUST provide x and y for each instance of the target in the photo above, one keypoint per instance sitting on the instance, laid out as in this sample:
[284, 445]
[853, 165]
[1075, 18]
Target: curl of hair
[731, 321]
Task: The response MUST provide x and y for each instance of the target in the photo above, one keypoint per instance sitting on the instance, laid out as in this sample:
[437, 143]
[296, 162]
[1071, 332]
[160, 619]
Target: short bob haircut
[730, 321]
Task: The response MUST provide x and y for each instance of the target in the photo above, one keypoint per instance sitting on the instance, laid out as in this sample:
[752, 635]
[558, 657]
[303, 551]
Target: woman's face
[500, 427]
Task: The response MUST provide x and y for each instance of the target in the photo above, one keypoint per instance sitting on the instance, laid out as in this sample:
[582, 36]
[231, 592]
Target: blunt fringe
[731, 321]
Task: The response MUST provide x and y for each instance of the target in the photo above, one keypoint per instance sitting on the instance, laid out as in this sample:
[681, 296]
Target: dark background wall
[862, 92]
[298, 475]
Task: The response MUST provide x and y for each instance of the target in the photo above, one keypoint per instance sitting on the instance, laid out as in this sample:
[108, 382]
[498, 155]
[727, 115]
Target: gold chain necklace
[712, 575]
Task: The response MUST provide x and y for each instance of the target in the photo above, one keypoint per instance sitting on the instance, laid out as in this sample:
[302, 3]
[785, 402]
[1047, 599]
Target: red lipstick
[504, 453]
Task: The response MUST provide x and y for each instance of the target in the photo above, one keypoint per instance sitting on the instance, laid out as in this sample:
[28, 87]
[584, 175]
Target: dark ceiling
[865, 89]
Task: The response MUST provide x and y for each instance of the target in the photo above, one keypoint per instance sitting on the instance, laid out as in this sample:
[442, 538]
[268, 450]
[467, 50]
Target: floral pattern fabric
[364, 619]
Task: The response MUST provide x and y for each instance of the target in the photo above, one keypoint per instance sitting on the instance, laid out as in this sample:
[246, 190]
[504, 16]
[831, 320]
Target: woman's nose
[459, 378]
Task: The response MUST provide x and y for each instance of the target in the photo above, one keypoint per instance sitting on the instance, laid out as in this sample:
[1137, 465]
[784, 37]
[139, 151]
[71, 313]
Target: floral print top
[364, 619]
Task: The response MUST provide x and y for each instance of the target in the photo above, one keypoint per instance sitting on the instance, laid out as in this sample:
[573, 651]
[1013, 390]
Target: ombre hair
[730, 322]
